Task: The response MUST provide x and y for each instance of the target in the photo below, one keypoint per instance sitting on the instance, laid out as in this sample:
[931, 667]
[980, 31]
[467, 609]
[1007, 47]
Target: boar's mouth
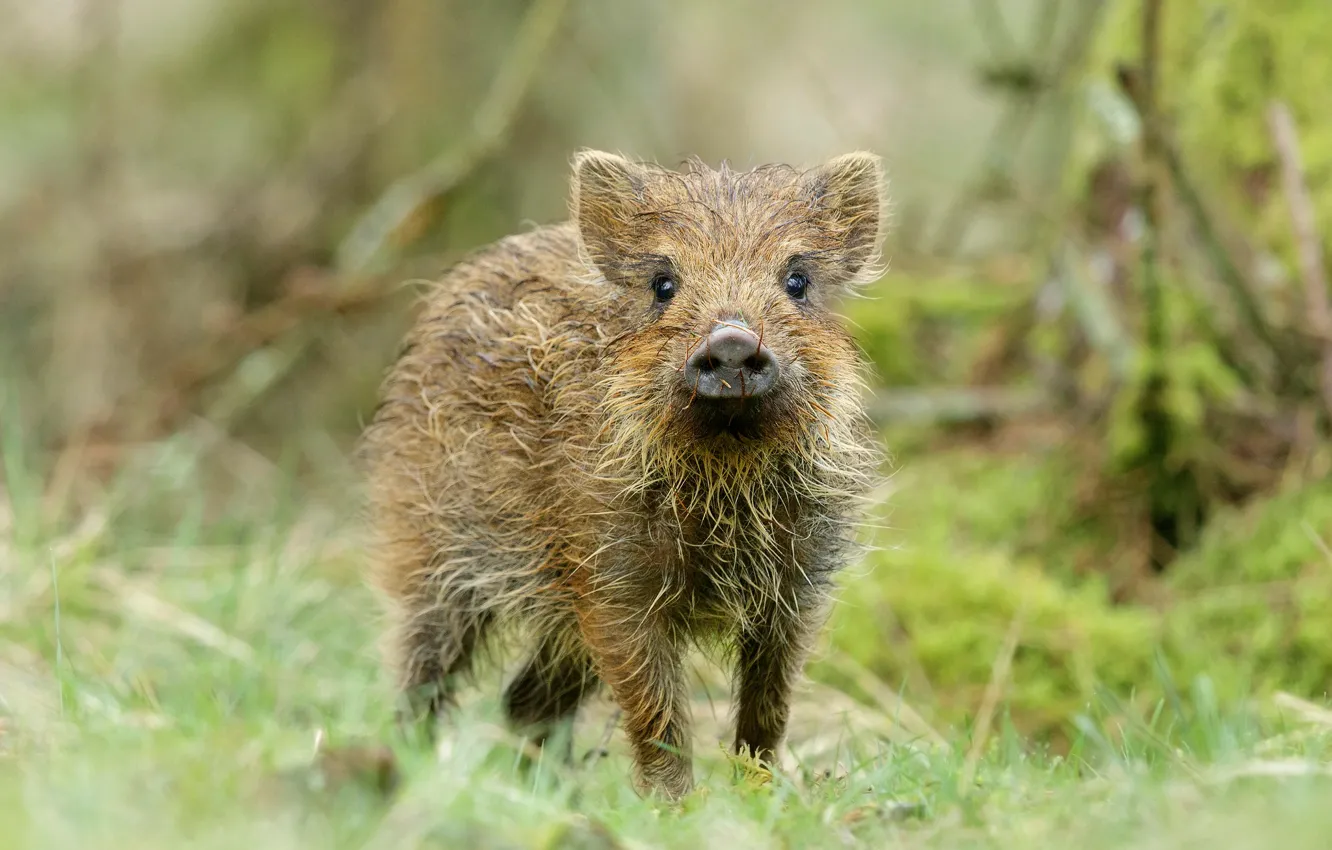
[743, 418]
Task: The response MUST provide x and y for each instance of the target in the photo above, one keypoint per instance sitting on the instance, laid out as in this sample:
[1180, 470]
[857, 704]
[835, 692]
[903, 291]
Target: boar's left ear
[847, 193]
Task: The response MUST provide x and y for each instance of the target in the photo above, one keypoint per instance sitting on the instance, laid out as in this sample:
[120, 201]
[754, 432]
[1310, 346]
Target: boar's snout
[731, 363]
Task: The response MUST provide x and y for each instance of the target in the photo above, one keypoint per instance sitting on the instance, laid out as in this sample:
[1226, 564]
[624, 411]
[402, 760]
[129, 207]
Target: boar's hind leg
[435, 650]
[542, 699]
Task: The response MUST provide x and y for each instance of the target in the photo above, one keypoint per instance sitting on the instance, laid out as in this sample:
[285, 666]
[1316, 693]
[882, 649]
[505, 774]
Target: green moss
[1255, 598]
[954, 609]
[954, 569]
[976, 537]
[1275, 539]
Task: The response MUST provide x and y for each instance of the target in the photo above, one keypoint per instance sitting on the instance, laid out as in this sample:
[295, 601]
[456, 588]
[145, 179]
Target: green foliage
[988, 499]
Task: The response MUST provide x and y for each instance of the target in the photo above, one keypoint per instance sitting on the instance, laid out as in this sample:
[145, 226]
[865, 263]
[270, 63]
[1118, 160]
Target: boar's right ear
[607, 193]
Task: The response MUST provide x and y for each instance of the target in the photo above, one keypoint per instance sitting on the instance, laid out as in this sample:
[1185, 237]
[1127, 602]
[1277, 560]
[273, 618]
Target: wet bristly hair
[539, 464]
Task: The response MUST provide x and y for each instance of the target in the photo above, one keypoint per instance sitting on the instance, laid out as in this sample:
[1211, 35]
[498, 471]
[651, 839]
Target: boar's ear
[847, 194]
[607, 194]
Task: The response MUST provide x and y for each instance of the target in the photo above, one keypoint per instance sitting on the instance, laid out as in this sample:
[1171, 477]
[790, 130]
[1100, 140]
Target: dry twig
[138, 601]
[1028, 80]
[892, 704]
[999, 675]
[309, 294]
[386, 222]
[1305, 710]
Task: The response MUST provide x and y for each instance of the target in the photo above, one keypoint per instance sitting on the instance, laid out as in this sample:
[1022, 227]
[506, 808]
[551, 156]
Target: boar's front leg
[770, 655]
[641, 659]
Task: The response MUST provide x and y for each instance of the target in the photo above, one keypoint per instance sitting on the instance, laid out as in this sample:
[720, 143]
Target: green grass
[168, 663]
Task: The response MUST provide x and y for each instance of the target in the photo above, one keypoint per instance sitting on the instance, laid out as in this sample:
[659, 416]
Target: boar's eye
[663, 286]
[796, 284]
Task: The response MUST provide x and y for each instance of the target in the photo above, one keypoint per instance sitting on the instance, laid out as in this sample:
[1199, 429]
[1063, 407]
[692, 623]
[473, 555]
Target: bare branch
[1308, 244]
[356, 283]
[1013, 126]
[1160, 147]
[310, 295]
[1153, 190]
[1093, 310]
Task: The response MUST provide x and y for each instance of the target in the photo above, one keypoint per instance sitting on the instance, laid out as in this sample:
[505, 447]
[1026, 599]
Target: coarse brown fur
[538, 462]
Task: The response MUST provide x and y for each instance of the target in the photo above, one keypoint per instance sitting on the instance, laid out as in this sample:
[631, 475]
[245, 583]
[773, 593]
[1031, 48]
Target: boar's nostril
[731, 362]
[757, 361]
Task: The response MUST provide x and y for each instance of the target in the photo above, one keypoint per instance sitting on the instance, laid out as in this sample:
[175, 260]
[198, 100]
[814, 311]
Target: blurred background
[1103, 346]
